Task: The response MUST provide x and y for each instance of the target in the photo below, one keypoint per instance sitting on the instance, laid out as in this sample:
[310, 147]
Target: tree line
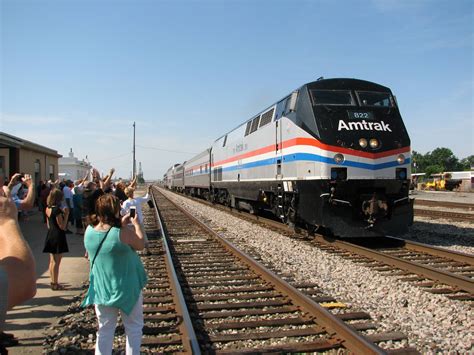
[438, 161]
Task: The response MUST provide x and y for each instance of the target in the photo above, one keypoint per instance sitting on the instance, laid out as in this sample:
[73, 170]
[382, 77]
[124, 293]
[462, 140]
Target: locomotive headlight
[401, 159]
[339, 158]
[374, 144]
[363, 142]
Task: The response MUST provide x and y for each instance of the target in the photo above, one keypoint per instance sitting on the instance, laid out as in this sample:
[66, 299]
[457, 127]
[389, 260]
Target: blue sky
[77, 74]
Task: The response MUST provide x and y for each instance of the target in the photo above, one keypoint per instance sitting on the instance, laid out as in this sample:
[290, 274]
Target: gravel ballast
[432, 323]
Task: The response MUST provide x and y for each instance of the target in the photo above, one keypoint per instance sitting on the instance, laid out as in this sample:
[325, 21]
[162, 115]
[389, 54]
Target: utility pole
[134, 162]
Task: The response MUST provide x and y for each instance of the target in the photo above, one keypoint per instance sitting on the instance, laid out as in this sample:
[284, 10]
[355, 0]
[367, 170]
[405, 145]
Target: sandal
[57, 287]
[60, 287]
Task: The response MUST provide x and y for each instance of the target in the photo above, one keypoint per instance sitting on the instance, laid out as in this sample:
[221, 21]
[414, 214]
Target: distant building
[20, 155]
[71, 168]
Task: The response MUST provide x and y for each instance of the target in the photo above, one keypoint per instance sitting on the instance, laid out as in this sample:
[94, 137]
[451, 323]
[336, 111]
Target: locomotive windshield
[332, 97]
[372, 98]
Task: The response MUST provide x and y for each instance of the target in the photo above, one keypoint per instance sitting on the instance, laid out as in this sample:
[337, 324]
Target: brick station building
[20, 155]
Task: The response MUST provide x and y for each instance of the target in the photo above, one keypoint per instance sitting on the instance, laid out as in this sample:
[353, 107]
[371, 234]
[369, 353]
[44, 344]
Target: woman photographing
[117, 275]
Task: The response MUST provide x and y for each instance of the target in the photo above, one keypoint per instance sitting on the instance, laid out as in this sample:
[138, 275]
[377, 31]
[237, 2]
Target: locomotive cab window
[377, 99]
[332, 97]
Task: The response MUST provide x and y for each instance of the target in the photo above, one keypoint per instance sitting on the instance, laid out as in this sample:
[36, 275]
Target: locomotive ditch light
[374, 143]
[363, 142]
[401, 159]
[339, 158]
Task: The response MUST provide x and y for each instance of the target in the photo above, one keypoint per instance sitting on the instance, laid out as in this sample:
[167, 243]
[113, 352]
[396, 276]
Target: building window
[2, 166]
[37, 171]
[51, 172]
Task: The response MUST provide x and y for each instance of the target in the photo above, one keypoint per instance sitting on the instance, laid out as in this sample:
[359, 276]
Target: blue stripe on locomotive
[316, 158]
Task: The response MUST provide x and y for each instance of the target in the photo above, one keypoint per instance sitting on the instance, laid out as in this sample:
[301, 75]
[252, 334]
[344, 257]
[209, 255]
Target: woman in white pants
[117, 276]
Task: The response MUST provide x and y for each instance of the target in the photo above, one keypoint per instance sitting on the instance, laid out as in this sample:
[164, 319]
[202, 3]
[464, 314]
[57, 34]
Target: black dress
[56, 238]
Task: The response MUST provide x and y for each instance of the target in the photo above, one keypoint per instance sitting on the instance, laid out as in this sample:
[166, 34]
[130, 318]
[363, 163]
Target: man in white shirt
[137, 203]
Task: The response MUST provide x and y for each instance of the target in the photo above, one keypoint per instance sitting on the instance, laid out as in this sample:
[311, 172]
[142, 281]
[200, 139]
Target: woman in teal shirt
[117, 275]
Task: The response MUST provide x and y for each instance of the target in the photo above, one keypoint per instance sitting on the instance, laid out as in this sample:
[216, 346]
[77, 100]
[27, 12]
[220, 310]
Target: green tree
[433, 169]
[466, 163]
[419, 160]
[444, 158]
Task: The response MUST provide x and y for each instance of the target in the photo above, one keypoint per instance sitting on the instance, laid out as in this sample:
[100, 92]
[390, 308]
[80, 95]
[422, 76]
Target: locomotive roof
[346, 83]
[328, 84]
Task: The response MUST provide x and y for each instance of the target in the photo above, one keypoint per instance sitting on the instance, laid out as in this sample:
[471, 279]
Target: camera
[133, 210]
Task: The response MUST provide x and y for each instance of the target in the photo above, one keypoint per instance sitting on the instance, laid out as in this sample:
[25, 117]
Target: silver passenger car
[177, 177]
[197, 174]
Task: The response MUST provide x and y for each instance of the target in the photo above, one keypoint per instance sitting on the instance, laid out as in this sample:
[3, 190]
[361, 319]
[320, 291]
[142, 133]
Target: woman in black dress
[55, 243]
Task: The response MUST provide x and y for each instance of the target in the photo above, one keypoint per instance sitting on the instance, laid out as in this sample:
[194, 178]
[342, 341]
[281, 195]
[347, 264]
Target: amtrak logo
[363, 126]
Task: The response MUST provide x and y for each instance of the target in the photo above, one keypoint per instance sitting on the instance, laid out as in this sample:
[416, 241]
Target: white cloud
[8, 119]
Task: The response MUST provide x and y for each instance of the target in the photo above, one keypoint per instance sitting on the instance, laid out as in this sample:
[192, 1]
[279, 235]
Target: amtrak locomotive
[333, 155]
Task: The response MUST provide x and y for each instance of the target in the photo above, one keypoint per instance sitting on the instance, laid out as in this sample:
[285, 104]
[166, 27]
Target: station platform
[31, 321]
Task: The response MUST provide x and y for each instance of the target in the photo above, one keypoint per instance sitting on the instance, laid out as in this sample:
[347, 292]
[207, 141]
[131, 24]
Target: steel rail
[446, 204]
[190, 342]
[349, 337]
[455, 216]
[435, 251]
[447, 278]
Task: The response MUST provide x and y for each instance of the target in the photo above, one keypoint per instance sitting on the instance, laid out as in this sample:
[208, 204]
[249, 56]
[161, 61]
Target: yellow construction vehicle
[442, 181]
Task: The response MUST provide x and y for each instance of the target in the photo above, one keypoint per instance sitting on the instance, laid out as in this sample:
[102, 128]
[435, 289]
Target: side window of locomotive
[254, 126]
[247, 129]
[377, 99]
[332, 97]
[266, 118]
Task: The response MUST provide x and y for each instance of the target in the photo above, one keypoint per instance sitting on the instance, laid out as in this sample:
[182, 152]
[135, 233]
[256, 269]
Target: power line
[116, 157]
[165, 150]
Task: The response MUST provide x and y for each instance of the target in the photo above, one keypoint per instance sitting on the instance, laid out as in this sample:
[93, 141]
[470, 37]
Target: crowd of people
[110, 218]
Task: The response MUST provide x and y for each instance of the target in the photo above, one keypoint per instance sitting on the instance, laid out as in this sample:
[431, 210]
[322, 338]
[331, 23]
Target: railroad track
[446, 204]
[454, 211]
[435, 270]
[232, 303]
[451, 215]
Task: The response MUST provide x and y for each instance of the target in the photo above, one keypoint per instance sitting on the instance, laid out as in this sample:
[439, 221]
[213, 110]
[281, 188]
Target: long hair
[107, 208]
[54, 198]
